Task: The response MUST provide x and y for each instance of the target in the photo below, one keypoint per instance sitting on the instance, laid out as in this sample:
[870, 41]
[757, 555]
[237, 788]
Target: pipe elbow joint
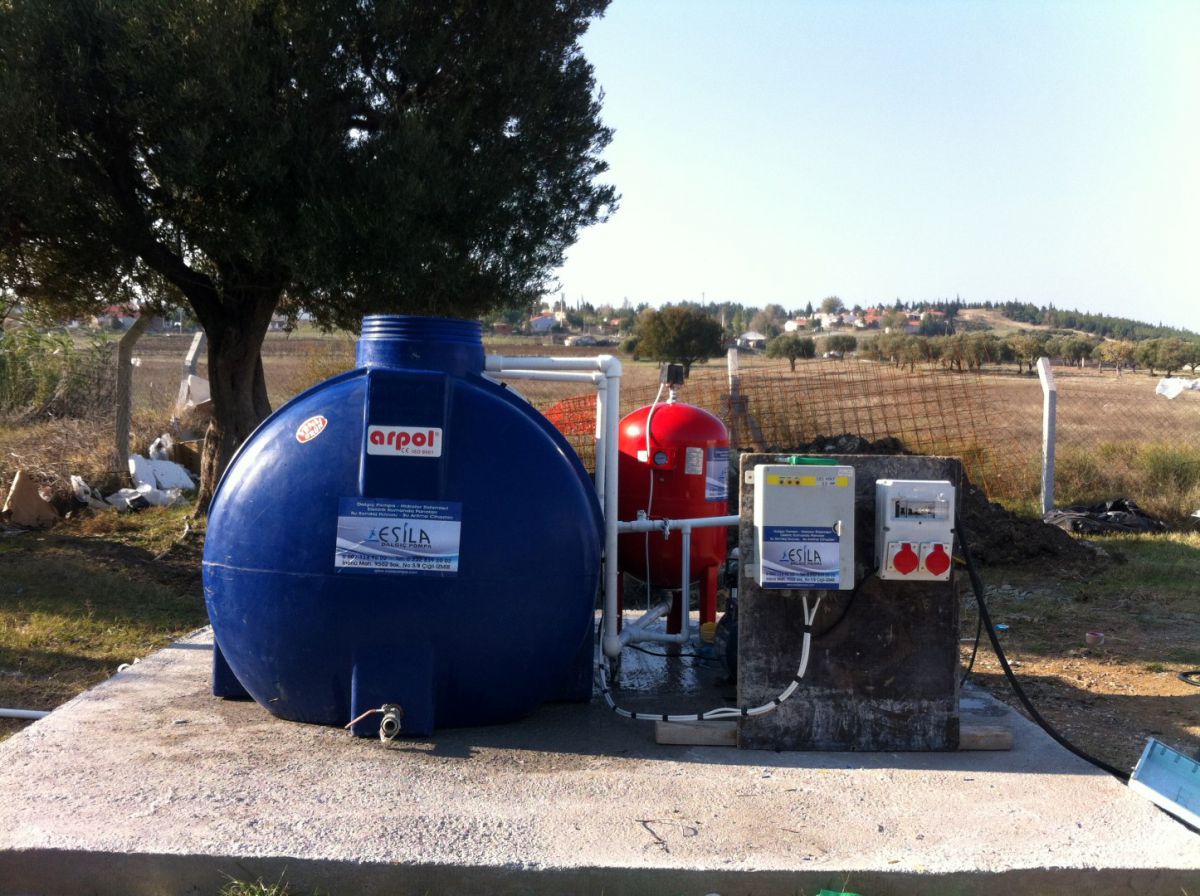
[612, 646]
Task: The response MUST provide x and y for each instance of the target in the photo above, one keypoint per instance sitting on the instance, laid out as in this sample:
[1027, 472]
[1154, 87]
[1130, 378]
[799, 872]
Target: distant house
[542, 323]
[828, 321]
[799, 323]
[752, 339]
[500, 328]
[869, 320]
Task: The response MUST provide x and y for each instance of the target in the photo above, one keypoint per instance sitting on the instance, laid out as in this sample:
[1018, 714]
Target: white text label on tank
[405, 441]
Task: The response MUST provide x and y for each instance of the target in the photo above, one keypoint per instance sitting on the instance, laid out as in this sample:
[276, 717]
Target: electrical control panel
[804, 526]
[914, 529]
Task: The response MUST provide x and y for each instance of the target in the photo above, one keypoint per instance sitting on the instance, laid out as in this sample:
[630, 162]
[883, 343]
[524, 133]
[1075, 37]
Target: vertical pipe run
[685, 628]
[612, 638]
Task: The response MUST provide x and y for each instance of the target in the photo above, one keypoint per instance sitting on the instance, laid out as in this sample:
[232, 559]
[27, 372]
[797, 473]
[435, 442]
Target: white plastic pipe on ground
[33, 714]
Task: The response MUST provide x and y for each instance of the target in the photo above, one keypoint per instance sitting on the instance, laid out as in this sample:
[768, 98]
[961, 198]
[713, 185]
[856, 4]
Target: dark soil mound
[999, 537]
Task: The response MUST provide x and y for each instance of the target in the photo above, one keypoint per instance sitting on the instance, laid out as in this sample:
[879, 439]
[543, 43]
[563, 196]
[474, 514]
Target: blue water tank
[405, 533]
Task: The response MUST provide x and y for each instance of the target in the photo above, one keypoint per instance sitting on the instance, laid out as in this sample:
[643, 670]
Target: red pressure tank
[687, 456]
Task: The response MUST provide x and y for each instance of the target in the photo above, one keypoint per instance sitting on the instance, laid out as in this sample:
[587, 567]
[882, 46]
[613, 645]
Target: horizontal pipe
[683, 636]
[606, 364]
[23, 714]
[556, 376]
[659, 525]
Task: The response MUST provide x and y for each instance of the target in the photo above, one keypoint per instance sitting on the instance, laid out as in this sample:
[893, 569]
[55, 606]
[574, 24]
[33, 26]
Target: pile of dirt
[846, 443]
[997, 536]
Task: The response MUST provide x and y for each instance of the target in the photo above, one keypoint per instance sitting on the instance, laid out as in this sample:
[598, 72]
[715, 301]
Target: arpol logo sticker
[404, 441]
[310, 429]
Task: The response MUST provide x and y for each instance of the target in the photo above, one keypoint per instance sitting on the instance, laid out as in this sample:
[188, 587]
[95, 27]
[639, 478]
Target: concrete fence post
[125, 386]
[1049, 435]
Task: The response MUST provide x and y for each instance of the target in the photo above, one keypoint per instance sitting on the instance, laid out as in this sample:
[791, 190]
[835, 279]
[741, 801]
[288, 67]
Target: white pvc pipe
[635, 631]
[568, 370]
[604, 363]
[612, 403]
[556, 376]
[23, 714]
[663, 524]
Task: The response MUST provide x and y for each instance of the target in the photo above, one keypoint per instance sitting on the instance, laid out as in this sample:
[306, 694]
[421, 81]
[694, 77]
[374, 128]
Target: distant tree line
[1096, 324]
[690, 332]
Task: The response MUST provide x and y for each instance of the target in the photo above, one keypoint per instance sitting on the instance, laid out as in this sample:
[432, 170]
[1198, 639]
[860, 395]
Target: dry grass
[1116, 437]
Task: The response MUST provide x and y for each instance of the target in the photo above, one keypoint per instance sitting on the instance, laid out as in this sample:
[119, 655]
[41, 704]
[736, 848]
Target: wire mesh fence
[1116, 437]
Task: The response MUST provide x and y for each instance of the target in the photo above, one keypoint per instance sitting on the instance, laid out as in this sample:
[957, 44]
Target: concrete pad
[147, 784]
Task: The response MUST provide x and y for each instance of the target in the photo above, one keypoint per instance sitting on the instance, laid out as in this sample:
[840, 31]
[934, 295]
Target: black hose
[974, 651]
[977, 586]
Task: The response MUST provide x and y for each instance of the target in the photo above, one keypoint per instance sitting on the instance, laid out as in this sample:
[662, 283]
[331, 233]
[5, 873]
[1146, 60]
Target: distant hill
[1025, 314]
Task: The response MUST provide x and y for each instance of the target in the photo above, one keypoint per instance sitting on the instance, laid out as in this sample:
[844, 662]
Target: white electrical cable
[724, 712]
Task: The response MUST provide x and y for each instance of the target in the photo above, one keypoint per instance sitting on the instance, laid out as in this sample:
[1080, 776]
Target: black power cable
[986, 619]
[974, 652]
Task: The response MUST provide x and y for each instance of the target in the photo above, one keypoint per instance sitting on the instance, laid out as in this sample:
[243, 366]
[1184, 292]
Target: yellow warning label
[778, 479]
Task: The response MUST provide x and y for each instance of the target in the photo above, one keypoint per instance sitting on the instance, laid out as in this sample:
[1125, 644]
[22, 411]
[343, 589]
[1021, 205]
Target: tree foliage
[427, 156]
[678, 334]
[841, 343]
[792, 346]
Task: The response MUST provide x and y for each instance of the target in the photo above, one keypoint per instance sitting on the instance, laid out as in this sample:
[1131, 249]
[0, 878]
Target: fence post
[1049, 410]
[731, 363]
[190, 363]
[125, 386]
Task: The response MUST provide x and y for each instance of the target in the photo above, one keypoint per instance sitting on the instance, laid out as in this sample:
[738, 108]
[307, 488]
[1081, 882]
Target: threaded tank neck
[421, 343]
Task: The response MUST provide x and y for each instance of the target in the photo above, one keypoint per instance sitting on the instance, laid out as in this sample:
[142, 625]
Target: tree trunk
[237, 385]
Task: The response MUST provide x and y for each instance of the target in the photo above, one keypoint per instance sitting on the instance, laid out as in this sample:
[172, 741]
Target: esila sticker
[310, 429]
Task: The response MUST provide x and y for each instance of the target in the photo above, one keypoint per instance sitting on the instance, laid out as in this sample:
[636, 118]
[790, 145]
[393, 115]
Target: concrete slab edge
[43, 872]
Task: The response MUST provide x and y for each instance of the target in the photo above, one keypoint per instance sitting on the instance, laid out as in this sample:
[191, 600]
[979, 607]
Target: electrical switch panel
[804, 526]
[914, 529]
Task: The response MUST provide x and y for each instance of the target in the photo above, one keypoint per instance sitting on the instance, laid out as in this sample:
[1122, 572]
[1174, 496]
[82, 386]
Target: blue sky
[787, 151]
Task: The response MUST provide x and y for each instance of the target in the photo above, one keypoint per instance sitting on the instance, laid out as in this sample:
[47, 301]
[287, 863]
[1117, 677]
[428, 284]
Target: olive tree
[792, 346]
[678, 334]
[253, 157]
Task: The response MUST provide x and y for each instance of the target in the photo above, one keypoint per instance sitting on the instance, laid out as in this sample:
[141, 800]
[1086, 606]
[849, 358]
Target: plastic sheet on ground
[1173, 387]
[1119, 515]
[161, 474]
[85, 494]
[145, 496]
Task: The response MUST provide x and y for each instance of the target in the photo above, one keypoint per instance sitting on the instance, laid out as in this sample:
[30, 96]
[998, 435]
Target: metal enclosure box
[914, 529]
[804, 526]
